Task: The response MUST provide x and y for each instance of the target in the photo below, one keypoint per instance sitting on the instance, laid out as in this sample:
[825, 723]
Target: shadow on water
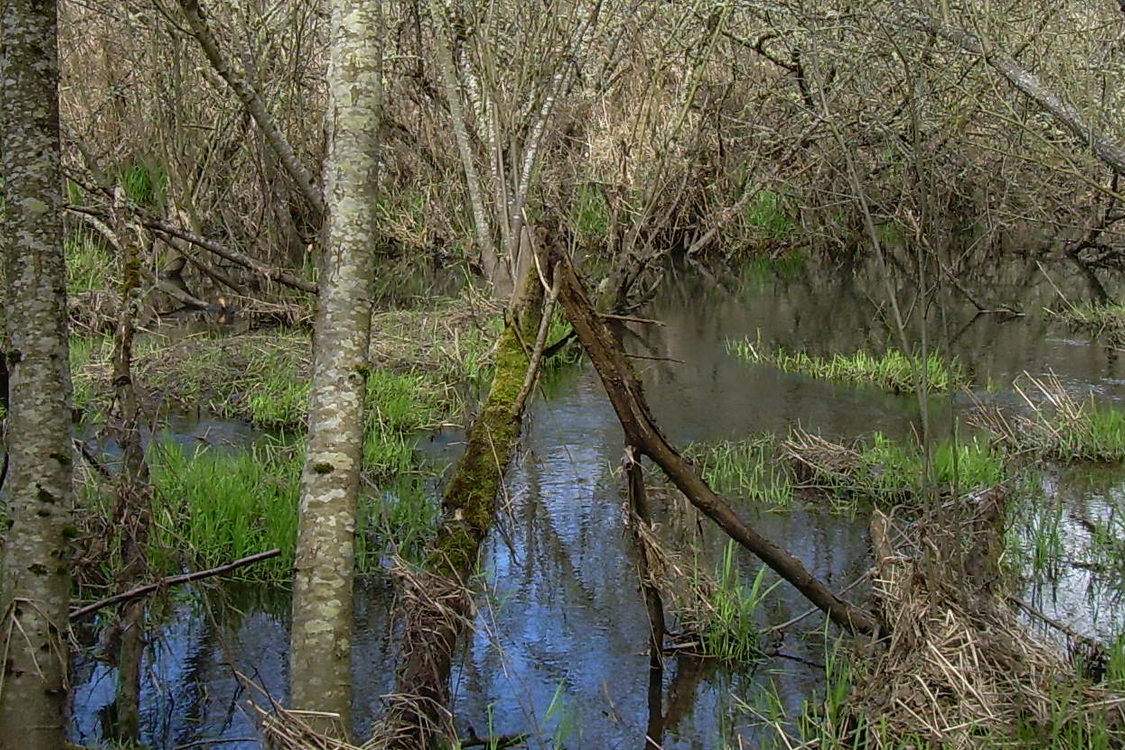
[559, 647]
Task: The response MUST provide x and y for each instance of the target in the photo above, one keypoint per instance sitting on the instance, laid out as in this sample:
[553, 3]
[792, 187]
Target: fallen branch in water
[148, 588]
[641, 430]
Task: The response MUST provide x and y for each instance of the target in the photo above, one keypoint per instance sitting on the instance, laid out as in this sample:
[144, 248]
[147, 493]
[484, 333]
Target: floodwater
[559, 645]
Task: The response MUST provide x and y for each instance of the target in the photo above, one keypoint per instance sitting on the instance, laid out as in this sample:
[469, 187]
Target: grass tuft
[745, 469]
[213, 506]
[730, 628]
[1104, 320]
[893, 371]
[1058, 426]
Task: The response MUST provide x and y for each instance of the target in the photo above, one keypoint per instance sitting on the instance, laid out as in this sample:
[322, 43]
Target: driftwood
[642, 431]
[148, 588]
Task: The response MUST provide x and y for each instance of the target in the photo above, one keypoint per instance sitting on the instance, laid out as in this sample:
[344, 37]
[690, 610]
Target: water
[559, 648]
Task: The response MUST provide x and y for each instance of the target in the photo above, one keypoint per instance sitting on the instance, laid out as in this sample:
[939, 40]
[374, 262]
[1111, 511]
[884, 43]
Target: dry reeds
[959, 669]
[1057, 425]
[433, 606]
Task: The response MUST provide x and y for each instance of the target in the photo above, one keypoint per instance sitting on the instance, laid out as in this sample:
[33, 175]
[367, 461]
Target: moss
[470, 499]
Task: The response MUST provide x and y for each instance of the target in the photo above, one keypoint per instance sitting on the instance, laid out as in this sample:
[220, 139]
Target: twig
[632, 319]
[654, 359]
[140, 591]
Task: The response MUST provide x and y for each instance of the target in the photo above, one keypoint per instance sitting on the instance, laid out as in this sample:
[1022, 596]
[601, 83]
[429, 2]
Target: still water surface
[559, 647]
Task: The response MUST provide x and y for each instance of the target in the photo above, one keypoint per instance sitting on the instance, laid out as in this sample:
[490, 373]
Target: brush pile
[959, 668]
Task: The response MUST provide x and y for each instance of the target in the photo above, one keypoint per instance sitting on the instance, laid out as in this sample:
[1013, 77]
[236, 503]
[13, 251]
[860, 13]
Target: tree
[36, 579]
[322, 595]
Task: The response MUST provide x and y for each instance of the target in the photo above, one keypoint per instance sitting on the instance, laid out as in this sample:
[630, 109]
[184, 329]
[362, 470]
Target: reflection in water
[560, 644]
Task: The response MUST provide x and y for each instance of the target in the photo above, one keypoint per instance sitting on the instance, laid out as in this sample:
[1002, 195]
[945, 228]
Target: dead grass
[1056, 424]
[959, 668]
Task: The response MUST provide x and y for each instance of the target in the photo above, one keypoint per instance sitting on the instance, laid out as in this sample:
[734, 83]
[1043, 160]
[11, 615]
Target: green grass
[1060, 428]
[730, 629]
[891, 470]
[213, 506]
[747, 469]
[1104, 320]
[1097, 434]
[145, 183]
[893, 371]
[877, 469]
[768, 216]
[398, 520]
[89, 263]
[86, 351]
[590, 215]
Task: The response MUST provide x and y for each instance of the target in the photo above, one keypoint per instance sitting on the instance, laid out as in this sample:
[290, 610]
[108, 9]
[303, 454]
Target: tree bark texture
[642, 432]
[437, 600]
[36, 578]
[132, 516]
[322, 594]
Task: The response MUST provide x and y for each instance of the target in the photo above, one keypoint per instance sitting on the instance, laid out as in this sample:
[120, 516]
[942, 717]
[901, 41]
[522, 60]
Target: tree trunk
[36, 578]
[322, 593]
[437, 599]
[133, 514]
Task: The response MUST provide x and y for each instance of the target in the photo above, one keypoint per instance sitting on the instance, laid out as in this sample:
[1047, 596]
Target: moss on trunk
[437, 599]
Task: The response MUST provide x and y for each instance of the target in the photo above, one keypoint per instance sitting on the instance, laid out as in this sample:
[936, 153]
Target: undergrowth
[876, 468]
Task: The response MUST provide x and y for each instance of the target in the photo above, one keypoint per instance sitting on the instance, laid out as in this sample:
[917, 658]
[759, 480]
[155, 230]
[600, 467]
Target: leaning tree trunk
[36, 579]
[322, 593]
[437, 599]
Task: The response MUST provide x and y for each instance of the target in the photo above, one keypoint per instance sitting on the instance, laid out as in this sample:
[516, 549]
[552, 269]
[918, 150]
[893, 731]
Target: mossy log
[437, 599]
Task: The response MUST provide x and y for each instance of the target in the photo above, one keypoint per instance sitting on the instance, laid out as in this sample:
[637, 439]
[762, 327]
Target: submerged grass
[886, 472]
[893, 371]
[876, 469]
[730, 629]
[214, 505]
[745, 469]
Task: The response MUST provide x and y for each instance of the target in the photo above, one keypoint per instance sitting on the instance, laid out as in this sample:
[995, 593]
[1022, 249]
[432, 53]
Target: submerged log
[437, 599]
[642, 431]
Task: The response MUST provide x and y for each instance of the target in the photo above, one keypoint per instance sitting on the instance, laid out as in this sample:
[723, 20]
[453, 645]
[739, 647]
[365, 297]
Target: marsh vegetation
[848, 275]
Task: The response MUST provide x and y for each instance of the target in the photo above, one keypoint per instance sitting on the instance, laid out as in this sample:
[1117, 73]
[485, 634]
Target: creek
[560, 639]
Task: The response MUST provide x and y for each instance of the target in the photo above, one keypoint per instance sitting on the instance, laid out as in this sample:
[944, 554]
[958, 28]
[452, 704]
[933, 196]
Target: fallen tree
[642, 432]
[436, 599]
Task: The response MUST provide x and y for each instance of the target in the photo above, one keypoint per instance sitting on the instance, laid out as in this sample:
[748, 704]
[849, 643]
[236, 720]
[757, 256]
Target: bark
[253, 103]
[133, 512]
[36, 578]
[438, 598]
[322, 593]
[1067, 115]
[641, 431]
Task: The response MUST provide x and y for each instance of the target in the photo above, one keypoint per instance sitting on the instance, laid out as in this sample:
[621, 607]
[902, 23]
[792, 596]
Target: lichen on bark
[320, 654]
[36, 580]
